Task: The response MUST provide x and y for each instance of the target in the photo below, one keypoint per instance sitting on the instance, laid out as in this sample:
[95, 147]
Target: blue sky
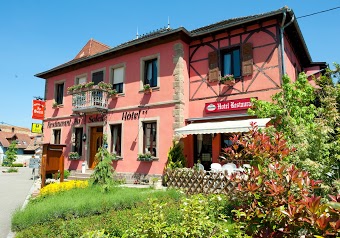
[38, 35]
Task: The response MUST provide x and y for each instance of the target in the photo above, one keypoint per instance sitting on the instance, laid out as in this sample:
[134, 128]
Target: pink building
[188, 98]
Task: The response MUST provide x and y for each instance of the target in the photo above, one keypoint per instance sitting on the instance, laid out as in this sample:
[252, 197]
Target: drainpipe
[282, 28]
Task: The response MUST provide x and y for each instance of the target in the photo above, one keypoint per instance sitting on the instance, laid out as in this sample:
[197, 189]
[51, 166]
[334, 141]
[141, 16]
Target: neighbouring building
[28, 144]
[188, 100]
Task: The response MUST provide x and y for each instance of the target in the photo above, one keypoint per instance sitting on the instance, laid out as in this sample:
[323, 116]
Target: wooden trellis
[193, 182]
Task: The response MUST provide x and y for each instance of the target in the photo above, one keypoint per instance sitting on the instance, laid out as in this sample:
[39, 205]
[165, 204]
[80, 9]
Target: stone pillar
[178, 85]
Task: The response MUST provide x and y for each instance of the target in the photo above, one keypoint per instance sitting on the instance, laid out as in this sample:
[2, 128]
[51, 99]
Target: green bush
[66, 174]
[199, 216]
[17, 165]
[278, 199]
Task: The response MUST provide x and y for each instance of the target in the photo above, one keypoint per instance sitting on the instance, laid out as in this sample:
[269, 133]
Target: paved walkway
[14, 189]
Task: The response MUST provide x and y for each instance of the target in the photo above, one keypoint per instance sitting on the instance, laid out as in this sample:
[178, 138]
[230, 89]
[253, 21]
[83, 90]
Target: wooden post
[43, 169]
[61, 167]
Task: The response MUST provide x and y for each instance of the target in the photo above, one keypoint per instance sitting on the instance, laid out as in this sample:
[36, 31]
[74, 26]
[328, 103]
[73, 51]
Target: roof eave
[237, 23]
[180, 30]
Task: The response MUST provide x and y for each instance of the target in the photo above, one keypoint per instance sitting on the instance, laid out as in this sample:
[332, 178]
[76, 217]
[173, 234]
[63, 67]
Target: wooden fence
[193, 182]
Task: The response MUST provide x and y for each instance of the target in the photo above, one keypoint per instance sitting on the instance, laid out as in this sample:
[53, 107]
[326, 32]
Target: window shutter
[247, 59]
[214, 71]
[118, 75]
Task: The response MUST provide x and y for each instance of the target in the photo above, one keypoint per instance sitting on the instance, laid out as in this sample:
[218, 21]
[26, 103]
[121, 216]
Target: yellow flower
[64, 186]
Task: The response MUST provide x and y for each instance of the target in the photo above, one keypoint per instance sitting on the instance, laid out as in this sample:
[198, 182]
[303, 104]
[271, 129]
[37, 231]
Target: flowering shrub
[64, 186]
[77, 87]
[105, 86]
[112, 92]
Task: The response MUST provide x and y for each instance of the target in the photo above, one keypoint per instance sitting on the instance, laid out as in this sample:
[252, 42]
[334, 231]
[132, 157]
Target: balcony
[92, 100]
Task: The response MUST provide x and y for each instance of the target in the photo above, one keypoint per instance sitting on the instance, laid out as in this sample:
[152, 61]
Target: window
[81, 79]
[118, 79]
[225, 140]
[59, 93]
[231, 62]
[98, 77]
[78, 145]
[116, 139]
[150, 72]
[56, 136]
[149, 138]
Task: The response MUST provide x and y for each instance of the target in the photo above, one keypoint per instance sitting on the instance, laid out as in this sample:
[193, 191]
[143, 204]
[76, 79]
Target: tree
[176, 158]
[11, 153]
[103, 172]
[308, 117]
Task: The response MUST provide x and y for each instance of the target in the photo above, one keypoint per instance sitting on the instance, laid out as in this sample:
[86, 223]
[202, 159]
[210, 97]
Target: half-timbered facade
[201, 81]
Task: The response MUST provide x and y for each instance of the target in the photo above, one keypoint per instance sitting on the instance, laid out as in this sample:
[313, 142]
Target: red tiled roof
[92, 47]
[3, 138]
[23, 139]
[35, 143]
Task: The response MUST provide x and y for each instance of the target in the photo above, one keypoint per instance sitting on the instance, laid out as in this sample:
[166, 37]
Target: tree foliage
[103, 172]
[308, 117]
[11, 153]
[176, 158]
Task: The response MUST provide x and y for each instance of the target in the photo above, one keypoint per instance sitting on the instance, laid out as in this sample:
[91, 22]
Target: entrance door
[96, 141]
[203, 150]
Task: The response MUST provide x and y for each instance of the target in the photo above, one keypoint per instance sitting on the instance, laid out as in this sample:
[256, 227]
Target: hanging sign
[36, 128]
[38, 109]
[232, 105]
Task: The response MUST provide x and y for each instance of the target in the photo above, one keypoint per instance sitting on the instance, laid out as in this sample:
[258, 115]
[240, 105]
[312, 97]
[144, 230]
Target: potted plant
[113, 93]
[227, 79]
[115, 157]
[73, 156]
[147, 88]
[54, 104]
[145, 157]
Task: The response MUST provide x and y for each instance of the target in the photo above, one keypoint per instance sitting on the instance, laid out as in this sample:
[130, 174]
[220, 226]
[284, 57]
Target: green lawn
[63, 207]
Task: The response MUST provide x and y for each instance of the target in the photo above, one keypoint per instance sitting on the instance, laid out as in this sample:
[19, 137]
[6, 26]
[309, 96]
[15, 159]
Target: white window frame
[81, 139]
[141, 134]
[76, 79]
[122, 137]
[98, 70]
[111, 74]
[52, 134]
[55, 90]
[142, 69]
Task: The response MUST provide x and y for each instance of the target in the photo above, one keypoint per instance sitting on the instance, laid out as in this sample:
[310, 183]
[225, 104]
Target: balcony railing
[90, 101]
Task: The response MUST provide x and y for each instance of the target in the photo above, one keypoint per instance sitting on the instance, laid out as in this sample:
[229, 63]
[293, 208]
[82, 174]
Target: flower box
[74, 156]
[113, 93]
[227, 79]
[146, 157]
[115, 157]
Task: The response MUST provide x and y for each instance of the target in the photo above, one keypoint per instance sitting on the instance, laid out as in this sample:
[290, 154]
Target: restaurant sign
[231, 105]
[38, 109]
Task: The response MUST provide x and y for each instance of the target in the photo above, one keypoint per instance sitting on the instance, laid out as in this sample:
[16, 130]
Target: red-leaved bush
[276, 199]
